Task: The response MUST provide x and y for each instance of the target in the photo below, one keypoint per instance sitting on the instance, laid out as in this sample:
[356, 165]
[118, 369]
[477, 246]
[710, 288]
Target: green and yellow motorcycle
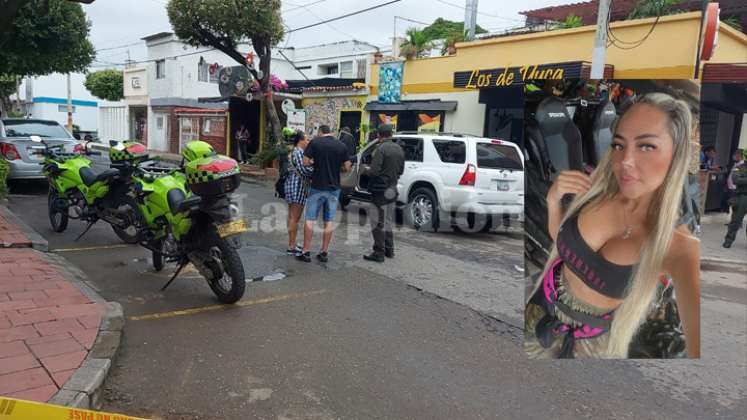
[78, 192]
[186, 216]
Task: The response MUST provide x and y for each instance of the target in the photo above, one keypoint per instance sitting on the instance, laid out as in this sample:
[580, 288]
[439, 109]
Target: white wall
[136, 95]
[86, 117]
[113, 123]
[743, 135]
[55, 86]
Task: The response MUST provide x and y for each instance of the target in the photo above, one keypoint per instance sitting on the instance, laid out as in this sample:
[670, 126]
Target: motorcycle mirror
[36, 139]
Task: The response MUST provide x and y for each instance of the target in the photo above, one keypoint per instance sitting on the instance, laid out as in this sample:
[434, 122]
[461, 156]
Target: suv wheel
[423, 209]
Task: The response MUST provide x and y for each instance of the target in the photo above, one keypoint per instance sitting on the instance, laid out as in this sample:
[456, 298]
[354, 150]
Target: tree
[571, 21]
[106, 84]
[416, 44]
[222, 24]
[653, 8]
[443, 29]
[44, 36]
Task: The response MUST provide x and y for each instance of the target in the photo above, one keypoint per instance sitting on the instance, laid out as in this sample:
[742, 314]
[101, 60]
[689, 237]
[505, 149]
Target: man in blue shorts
[329, 157]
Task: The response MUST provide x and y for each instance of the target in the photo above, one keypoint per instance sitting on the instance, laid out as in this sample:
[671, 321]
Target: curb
[84, 388]
[716, 260]
[37, 241]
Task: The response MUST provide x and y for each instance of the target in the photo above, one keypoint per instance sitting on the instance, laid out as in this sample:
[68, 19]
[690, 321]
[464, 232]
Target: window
[26, 128]
[361, 67]
[161, 69]
[63, 108]
[451, 151]
[346, 69]
[214, 127]
[214, 73]
[496, 156]
[413, 149]
[159, 123]
[327, 69]
[202, 70]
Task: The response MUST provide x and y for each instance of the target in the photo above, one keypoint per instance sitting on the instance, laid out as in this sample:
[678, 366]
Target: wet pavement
[434, 333]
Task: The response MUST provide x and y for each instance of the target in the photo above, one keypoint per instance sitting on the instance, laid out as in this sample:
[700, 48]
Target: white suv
[455, 174]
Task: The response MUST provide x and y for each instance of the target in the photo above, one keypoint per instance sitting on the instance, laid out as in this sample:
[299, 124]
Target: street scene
[338, 210]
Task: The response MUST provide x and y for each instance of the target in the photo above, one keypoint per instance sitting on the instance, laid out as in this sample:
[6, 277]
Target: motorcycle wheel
[230, 287]
[129, 235]
[57, 218]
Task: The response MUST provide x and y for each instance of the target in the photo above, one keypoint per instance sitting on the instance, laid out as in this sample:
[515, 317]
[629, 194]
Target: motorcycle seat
[561, 137]
[90, 177]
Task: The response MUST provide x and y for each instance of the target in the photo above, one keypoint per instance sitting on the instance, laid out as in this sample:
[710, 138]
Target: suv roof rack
[436, 134]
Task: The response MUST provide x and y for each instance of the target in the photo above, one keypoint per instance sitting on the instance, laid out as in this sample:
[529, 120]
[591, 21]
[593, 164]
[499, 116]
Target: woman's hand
[568, 182]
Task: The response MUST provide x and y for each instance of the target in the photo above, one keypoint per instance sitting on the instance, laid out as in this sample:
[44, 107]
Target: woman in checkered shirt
[296, 189]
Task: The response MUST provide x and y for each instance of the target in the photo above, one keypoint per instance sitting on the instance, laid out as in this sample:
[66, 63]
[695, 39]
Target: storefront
[485, 77]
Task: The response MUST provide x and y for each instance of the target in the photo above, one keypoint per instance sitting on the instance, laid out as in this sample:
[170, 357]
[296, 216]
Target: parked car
[455, 175]
[21, 153]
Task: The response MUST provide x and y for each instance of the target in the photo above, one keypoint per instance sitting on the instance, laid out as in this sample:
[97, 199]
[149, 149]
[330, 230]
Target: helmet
[197, 149]
[287, 132]
[126, 151]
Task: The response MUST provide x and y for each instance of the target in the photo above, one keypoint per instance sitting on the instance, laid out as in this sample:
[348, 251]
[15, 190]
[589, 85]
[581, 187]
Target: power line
[344, 16]
[303, 6]
[287, 32]
[628, 45]
[479, 12]
[120, 46]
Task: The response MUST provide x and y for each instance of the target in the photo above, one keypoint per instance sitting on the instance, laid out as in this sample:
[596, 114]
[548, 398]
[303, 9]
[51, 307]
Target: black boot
[374, 257]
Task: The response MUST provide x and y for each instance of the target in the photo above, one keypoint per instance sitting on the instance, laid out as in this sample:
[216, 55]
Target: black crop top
[605, 277]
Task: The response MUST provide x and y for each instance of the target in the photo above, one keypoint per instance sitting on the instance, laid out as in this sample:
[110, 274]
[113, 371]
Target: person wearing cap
[387, 165]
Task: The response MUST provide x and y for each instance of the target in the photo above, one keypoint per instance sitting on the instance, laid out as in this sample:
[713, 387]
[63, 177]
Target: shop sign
[483, 79]
[297, 119]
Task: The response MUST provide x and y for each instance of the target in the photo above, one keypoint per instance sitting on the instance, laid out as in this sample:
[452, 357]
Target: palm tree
[416, 45]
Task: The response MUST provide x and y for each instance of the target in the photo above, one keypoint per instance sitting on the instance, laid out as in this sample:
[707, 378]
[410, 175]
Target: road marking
[241, 303]
[93, 248]
[12, 409]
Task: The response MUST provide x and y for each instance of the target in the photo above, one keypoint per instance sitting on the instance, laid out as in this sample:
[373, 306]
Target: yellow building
[479, 87]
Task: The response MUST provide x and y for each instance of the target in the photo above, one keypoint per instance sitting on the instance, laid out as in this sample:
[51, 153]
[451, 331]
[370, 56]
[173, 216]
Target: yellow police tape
[13, 409]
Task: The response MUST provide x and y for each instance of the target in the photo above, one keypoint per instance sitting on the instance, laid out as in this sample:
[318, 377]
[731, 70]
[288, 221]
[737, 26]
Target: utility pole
[599, 54]
[69, 105]
[470, 18]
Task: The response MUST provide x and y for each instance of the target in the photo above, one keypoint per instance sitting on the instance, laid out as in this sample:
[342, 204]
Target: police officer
[387, 165]
[739, 201]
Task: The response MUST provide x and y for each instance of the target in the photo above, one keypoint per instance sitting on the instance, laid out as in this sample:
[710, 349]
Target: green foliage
[653, 8]
[443, 29]
[106, 84]
[229, 21]
[4, 170]
[416, 44]
[571, 21]
[734, 22]
[39, 41]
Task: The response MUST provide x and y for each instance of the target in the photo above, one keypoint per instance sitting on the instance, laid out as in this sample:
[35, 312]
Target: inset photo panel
[612, 218]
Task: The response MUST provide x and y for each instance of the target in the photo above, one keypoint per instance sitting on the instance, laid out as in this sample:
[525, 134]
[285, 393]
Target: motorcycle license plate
[231, 228]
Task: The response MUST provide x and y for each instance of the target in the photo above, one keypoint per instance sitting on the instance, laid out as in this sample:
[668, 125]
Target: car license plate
[503, 185]
[35, 153]
[231, 228]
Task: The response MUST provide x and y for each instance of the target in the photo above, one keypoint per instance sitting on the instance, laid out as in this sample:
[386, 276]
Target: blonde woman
[617, 239]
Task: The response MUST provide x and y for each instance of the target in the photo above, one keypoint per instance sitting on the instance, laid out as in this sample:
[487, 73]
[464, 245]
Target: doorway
[247, 114]
[352, 120]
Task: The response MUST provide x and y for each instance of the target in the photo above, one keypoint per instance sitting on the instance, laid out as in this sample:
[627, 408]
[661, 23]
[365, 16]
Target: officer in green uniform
[387, 165]
[738, 202]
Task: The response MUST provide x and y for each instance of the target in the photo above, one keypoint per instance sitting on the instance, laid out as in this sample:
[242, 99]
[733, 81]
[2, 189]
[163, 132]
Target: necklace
[628, 228]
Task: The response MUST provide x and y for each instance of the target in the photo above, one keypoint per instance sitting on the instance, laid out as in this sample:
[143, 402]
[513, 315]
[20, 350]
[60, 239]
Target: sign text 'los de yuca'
[481, 79]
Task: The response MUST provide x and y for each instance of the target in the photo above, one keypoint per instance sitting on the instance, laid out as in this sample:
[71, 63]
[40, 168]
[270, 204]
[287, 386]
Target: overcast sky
[115, 23]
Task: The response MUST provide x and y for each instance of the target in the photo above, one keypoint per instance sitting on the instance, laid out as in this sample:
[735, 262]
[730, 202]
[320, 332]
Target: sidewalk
[712, 235]
[51, 325]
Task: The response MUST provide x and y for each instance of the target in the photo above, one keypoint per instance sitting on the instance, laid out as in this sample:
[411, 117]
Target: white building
[46, 98]
[176, 75]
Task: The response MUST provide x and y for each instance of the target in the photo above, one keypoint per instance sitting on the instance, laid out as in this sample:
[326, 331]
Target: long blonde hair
[664, 210]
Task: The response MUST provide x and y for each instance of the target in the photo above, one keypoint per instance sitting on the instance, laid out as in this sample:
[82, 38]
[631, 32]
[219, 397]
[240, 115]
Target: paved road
[433, 334]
